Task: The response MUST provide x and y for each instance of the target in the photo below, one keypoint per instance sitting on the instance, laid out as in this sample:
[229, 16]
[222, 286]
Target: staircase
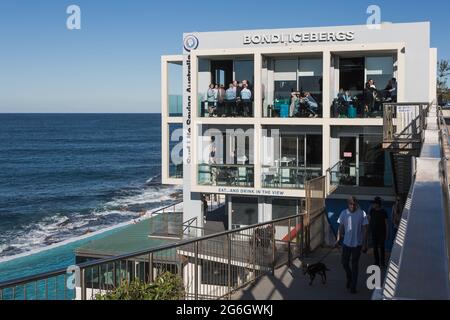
[403, 127]
[402, 170]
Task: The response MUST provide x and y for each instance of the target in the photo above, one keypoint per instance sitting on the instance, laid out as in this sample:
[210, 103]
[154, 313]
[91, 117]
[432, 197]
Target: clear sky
[113, 63]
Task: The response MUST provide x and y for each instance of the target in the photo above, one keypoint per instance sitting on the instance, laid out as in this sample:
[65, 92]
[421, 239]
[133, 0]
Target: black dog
[314, 269]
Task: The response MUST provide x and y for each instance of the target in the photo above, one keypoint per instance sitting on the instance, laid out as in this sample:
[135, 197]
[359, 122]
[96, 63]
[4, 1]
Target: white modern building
[287, 142]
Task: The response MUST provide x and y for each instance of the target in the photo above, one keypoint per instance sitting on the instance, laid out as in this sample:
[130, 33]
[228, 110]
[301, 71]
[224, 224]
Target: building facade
[309, 113]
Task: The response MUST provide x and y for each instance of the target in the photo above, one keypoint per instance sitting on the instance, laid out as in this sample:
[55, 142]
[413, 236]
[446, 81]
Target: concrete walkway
[291, 284]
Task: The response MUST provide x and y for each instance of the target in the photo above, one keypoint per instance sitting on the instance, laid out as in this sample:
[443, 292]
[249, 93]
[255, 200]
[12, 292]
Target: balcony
[363, 174]
[226, 108]
[293, 108]
[287, 177]
[175, 105]
[226, 175]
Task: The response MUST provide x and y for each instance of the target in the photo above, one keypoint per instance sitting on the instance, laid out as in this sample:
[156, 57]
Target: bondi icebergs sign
[307, 37]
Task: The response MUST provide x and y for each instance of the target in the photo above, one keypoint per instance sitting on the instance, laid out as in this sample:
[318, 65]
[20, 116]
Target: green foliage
[443, 73]
[167, 286]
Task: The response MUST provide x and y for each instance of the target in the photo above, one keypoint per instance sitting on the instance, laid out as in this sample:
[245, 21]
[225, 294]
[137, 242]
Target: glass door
[350, 161]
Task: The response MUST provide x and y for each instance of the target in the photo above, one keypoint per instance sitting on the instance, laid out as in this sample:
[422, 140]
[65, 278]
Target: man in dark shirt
[378, 227]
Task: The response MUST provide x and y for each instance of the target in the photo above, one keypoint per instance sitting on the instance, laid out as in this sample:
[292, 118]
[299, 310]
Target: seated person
[310, 105]
[345, 100]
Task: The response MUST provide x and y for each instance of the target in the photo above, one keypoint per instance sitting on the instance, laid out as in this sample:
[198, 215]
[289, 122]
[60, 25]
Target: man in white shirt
[353, 226]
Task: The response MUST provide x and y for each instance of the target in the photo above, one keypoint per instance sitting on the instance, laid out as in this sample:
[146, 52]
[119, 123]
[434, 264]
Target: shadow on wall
[334, 208]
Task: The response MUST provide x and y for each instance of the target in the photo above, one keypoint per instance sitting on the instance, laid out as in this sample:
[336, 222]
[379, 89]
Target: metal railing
[226, 175]
[410, 125]
[212, 267]
[288, 177]
[363, 174]
[419, 262]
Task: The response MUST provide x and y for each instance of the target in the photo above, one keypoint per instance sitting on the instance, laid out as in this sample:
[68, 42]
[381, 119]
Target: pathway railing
[212, 267]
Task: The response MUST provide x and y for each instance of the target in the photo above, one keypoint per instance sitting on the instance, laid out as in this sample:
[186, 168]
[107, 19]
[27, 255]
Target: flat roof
[133, 238]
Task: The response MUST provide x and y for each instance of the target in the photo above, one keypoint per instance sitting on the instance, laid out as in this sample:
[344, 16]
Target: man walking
[378, 222]
[353, 228]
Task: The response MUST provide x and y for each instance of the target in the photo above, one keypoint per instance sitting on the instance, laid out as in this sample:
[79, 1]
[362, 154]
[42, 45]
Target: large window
[289, 158]
[282, 208]
[281, 77]
[175, 89]
[214, 79]
[310, 77]
[176, 151]
[244, 70]
[374, 165]
[244, 211]
[380, 69]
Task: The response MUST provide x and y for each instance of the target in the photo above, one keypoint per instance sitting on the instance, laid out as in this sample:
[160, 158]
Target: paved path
[291, 284]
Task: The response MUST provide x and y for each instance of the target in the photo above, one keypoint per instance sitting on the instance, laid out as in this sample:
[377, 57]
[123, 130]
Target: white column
[257, 108]
[164, 120]
[326, 84]
[401, 71]
[326, 131]
[257, 113]
[433, 75]
[257, 154]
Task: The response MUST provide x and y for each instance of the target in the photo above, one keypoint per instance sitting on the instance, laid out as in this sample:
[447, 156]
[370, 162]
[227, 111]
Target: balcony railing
[235, 109]
[356, 109]
[226, 175]
[176, 171]
[212, 267]
[288, 177]
[175, 105]
[282, 108]
[365, 174]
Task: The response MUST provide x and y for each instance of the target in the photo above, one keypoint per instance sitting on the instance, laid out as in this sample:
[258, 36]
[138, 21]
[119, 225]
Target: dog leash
[327, 254]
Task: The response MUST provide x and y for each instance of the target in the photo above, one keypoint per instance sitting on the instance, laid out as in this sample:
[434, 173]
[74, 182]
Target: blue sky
[113, 63]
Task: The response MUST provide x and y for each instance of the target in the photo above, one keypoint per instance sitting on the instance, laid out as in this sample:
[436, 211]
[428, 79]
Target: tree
[167, 286]
[443, 73]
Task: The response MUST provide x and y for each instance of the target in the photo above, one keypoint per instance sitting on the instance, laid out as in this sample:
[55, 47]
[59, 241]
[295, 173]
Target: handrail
[89, 264]
[419, 263]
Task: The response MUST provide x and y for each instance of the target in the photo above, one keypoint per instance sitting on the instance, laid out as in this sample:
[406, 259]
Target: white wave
[58, 230]
[150, 180]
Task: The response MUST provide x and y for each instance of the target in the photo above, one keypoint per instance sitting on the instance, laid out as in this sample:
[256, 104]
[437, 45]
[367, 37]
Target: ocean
[63, 176]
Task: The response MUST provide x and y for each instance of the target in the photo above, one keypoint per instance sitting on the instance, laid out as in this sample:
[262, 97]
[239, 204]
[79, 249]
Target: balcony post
[289, 243]
[326, 84]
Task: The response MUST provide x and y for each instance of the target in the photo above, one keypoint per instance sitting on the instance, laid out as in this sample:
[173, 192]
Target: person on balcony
[391, 90]
[246, 99]
[295, 102]
[353, 226]
[211, 99]
[221, 100]
[230, 101]
[237, 89]
[369, 97]
[212, 160]
[310, 104]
